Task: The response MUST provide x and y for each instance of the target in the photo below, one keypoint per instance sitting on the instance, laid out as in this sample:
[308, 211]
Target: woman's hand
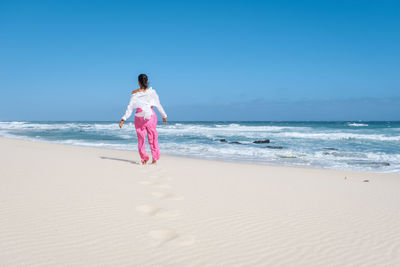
[164, 120]
[121, 123]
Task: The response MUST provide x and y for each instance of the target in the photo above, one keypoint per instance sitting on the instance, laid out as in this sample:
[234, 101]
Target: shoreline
[333, 145]
[256, 163]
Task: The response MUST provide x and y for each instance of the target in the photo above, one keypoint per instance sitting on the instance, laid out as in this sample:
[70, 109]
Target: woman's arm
[129, 109]
[159, 107]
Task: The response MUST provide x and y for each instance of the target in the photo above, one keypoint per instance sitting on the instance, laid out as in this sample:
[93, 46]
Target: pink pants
[148, 126]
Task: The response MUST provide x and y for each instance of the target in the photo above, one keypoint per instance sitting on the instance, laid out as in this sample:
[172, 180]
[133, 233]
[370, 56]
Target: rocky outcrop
[266, 141]
[274, 147]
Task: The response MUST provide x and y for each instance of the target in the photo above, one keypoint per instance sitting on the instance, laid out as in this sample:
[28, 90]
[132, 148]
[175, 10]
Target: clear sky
[208, 60]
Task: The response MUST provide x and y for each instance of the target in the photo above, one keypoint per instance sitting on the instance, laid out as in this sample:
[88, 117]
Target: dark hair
[143, 81]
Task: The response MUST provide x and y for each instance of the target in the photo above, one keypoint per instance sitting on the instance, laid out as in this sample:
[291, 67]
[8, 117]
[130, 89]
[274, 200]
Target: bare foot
[154, 162]
[144, 162]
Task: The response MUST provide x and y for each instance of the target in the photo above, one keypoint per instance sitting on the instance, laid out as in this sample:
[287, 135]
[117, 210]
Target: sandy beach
[81, 206]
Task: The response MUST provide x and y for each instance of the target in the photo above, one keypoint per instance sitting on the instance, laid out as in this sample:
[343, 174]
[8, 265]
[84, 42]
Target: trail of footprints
[159, 183]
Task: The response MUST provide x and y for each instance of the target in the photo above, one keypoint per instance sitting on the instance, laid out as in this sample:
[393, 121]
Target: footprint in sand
[147, 182]
[163, 236]
[166, 214]
[147, 209]
[162, 195]
[157, 212]
[166, 195]
[162, 186]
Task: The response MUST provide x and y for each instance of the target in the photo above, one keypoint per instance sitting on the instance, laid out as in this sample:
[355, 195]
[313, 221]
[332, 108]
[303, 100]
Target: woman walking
[144, 99]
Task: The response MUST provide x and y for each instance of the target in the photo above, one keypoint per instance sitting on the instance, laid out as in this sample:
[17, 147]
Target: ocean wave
[77, 142]
[60, 126]
[357, 124]
[230, 130]
[338, 136]
[260, 128]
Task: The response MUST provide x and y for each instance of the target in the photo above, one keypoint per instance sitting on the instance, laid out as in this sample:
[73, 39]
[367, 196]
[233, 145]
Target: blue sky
[208, 60]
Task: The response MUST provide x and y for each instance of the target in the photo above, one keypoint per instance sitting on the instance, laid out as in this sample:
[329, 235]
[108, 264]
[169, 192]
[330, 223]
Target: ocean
[365, 146]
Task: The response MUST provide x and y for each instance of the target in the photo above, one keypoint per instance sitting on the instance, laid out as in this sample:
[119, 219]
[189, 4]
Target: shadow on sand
[126, 160]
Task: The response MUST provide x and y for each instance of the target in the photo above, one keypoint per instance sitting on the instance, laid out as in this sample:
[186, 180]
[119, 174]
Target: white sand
[68, 205]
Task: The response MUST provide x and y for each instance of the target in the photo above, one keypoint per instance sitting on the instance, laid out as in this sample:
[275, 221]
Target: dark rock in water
[274, 147]
[379, 163]
[232, 142]
[344, 154]
[371, 163]
[266, 141]
[330, 148]
[287, 157]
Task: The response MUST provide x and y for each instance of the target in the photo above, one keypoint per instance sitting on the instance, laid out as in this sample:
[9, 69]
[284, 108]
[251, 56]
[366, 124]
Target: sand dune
[68, 205]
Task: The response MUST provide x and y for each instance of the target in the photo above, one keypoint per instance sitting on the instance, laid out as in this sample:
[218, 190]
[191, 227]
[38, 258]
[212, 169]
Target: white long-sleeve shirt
[144, 100]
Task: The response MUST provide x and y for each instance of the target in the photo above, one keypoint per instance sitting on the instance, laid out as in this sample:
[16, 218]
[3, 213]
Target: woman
[144, 99]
